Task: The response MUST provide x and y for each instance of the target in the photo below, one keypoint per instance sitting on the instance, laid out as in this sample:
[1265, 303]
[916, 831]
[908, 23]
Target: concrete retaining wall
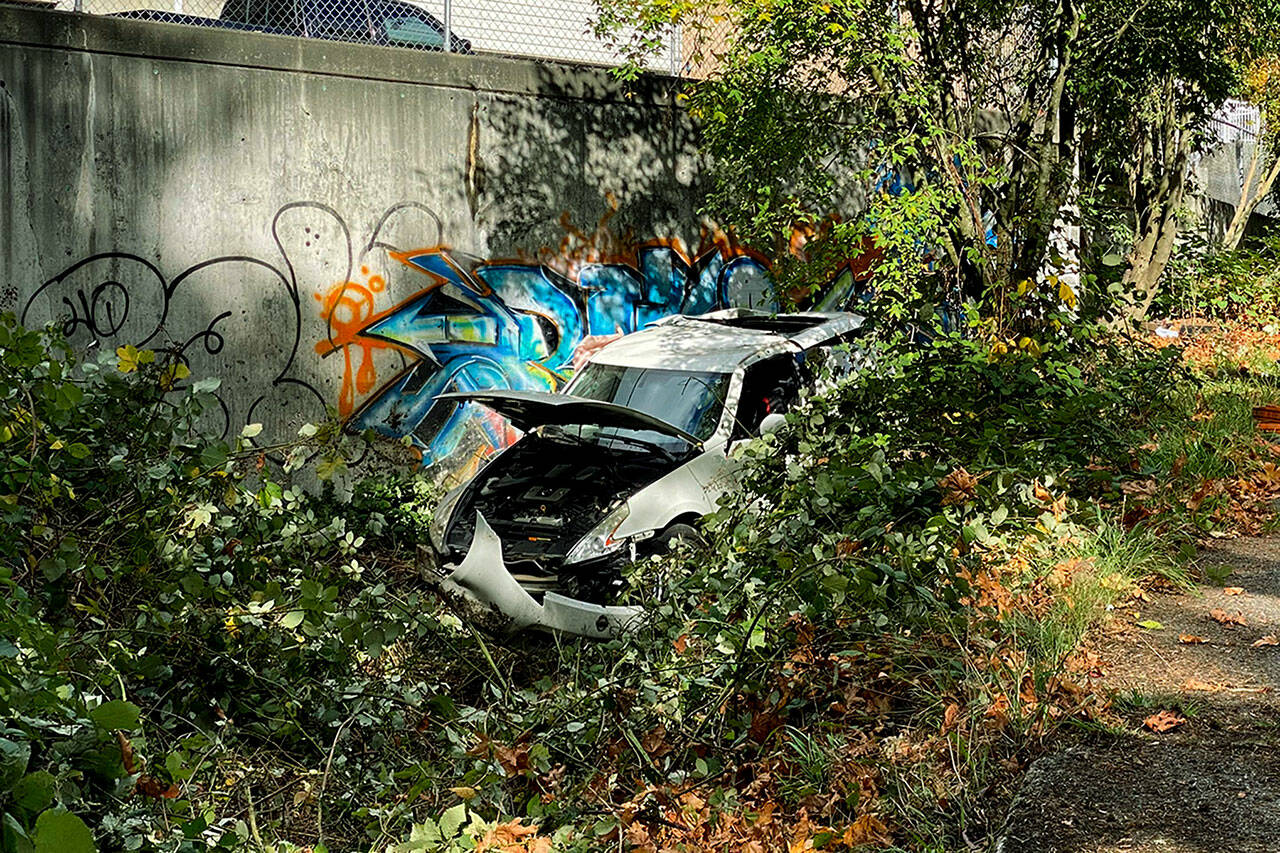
[338, 226]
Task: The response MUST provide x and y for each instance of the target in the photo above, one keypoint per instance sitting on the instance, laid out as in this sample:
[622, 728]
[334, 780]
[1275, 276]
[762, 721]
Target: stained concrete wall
[260, 203]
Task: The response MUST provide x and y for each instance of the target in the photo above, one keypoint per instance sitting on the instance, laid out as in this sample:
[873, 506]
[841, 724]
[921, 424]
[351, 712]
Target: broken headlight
[600, 540]
[440, 518]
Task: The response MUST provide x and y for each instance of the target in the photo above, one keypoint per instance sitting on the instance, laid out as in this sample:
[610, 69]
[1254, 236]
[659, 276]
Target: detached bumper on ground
[482, 586]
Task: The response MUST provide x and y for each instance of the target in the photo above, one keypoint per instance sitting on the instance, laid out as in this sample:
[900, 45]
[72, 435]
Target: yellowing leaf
[130, 358]
[173, 374]
[127, 356]
[1066, 293]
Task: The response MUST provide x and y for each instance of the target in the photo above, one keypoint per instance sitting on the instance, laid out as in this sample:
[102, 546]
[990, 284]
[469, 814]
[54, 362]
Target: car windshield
[691, 400]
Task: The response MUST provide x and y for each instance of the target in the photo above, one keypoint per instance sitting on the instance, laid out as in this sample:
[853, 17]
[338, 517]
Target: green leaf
[1151, 625]
[1000, 514]
[116, 714]
[451, 821]
[214, 456]
[292, 619]
[35, 792]
[207, 385]
[63, 832]
[79, 451]
[426, 832]
[13, 762]
[13, 838]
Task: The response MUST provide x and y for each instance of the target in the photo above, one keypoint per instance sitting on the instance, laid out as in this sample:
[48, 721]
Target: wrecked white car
[637, 448]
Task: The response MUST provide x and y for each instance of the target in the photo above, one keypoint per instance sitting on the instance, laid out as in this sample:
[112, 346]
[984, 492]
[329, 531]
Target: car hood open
[529, 409]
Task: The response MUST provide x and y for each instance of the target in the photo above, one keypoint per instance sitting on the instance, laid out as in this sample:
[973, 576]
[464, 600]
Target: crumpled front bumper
[482, 585]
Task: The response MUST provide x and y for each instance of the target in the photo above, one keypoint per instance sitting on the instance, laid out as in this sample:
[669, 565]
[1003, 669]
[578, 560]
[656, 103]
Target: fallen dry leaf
[512, 837]
[1192, 639]
[1222, 617]
[1163, 721]
[867, 829]
[997, 715]
[150, 786]
[1197, 684]
[950, 716]
[957, 487]
[126, 753]
[1232, 590]
[1268, 640]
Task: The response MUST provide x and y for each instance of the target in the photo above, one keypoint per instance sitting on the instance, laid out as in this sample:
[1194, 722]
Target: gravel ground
[1212, 784]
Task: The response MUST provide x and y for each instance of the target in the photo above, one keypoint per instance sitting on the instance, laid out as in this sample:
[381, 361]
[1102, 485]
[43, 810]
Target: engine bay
[542, 495]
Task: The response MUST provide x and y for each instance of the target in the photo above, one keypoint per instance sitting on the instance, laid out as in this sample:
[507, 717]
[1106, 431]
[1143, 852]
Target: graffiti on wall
[485, 324]
[376, 329]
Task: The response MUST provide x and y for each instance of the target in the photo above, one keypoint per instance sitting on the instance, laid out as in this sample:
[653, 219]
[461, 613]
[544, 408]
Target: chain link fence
[557, 30]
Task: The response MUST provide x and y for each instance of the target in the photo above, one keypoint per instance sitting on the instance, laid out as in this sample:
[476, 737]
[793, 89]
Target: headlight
[600, 540]
[440, 518]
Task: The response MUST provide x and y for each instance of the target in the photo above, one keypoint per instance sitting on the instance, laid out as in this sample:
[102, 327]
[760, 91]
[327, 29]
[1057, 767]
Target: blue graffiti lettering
[481, 326]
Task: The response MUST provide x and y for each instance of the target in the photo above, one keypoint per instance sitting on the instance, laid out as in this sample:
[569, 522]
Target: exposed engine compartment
[542, 495]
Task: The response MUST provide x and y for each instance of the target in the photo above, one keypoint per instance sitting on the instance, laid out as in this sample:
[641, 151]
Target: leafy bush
[197, 653]
[170, 605]
[1238, 285]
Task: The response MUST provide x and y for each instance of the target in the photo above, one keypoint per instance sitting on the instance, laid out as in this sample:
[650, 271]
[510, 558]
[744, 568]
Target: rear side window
[407, 25]
[768, 386]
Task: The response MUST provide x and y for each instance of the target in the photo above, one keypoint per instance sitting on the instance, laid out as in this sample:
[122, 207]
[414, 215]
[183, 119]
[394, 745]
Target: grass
[1135, 703]
[1114, 560]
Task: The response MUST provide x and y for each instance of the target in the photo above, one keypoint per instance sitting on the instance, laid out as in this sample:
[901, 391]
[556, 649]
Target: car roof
[722, 341]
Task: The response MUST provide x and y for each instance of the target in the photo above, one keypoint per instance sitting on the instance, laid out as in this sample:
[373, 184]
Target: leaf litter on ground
[1163, 721]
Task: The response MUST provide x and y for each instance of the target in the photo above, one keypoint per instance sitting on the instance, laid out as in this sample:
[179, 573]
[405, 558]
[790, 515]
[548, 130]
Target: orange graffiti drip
[347, 308]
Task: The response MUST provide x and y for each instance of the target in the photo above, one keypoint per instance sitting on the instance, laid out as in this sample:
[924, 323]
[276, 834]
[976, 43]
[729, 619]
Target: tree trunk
[1157, 184]
[1147, 259]
[1250, 198]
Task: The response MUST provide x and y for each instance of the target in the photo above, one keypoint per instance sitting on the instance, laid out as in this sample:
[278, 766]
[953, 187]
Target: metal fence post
[448, 25]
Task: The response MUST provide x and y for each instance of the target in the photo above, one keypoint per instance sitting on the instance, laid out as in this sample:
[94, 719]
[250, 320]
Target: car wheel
[674, 536]
[678, 533]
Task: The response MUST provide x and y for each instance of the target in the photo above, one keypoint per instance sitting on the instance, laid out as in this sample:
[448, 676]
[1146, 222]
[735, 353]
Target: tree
[978, 107]
[1260, 84]
[821, 106]
[1156, 73]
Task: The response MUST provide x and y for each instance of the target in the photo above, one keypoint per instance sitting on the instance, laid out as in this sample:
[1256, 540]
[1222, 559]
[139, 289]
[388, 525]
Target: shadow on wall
[361, 319]
[525, 167]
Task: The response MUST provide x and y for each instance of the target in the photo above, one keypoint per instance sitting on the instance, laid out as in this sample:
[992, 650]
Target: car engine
[543, 495]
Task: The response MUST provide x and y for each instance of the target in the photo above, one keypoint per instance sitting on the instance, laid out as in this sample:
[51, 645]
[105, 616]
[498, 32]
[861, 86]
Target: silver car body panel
[482, 578]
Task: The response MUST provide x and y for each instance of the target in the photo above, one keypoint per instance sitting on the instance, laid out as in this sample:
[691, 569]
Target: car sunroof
[781, 323]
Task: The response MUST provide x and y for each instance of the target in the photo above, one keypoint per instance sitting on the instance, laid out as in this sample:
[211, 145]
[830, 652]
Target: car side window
[407, 25]
[769, 386]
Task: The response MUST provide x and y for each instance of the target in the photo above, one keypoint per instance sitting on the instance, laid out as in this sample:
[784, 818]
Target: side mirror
[772, 423]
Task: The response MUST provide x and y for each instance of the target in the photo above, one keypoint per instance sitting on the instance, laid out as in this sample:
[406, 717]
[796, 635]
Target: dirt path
[1212, 783]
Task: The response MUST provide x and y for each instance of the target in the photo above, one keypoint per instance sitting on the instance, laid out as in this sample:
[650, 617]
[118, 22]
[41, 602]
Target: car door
[339, 20]
[769, 386]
